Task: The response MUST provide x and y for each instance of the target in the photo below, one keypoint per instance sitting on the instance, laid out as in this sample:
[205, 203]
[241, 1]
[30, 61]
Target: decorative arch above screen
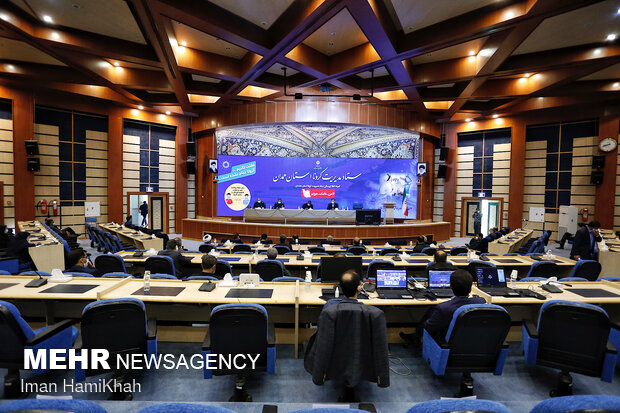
[317, 139]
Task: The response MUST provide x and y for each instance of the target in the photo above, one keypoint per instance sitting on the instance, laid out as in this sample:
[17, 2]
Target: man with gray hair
[272, 254]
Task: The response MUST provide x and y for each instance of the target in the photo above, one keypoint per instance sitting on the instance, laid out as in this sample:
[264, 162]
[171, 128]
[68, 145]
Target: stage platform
[222, 228]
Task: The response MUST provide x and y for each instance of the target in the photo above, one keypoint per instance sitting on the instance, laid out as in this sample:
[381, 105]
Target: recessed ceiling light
[167, 112]
[467, 119]
[527, 75]
[495, 116]
[140, 107]
[611, 37]
[183, 43]
[4, 16]
[263, 23]
[618, 11]
[472, 52]
[55, 35]
[616, 84]
[76, 6]
[47, 19]
[117, 64]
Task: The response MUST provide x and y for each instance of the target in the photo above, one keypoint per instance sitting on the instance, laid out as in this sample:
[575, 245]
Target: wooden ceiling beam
[209, 64]
[44, 72]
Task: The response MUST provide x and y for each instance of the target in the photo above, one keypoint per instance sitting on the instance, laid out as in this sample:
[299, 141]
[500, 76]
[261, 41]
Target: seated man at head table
[440, 262]
[332, 205]
[438, 318]
[172, 251]
[209, 264]
[272, 254]
[79, 262]
[259, 204]
[278, 205]
[351, 285]
[307, 205]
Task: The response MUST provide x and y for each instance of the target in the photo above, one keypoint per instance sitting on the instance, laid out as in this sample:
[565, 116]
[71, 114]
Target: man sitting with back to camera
[272, 254]
[440, 262]
[438, 318]
[208, 264]
[172, 251]
[350, 285]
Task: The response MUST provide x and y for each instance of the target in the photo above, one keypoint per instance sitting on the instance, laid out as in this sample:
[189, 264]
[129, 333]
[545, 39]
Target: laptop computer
[392, 284]
[439, 283]
[491, 280]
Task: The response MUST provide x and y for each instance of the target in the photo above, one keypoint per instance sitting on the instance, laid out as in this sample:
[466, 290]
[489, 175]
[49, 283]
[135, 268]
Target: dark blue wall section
[72, 129]
[559, 163]
[482, 142]
[150, 135]
[6, 109]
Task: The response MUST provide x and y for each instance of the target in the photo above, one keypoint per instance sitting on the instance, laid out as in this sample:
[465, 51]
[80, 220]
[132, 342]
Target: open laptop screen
[439, 279]
[491, 277]
[391, 279]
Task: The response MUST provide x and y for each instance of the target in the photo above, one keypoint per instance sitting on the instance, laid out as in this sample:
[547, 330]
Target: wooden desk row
[610, 259]
[300, 303]
[49, 253]
[137, 238]
[511, 243]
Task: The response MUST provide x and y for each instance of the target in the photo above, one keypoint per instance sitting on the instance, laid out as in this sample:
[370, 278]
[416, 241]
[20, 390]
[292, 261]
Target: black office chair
[119, 326]
[16, 335]
[109, 263]
[240, 329]
[389, 251]
[282, 249]
[544, 269]
[458, 250]
[222, 268]
[379, 265]
[588, 269]
[241, 248]
[571, 337]
[270, 269]
[474, 343]
[160, 264]
[356, 250]
[206, 248]
[316, 249]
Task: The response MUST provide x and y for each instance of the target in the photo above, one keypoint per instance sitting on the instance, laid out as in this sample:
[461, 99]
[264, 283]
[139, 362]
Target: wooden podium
[389, 212]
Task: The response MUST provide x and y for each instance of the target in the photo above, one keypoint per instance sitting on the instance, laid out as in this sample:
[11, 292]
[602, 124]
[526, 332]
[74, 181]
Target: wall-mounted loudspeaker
[598, 162]
[34, 165]
[596, 178]
[442, 171]
[191, 149]
[443, 153]
[191, 165]
[32, 147]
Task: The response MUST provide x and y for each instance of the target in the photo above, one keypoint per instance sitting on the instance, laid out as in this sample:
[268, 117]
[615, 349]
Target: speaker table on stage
[389, 212]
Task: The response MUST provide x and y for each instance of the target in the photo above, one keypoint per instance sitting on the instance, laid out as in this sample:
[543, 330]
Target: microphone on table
[37, 282]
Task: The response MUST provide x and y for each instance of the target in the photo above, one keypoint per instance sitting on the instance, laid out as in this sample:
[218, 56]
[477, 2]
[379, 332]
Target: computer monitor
[367, 217]
[391, 279]
[439, 279]
[333, 267]
[491, 276]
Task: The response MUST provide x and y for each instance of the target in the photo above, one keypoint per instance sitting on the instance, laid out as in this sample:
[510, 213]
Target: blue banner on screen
[369, 182]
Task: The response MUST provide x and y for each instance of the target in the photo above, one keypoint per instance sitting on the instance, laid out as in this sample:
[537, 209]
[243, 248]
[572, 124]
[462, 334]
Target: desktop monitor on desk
[333, 267]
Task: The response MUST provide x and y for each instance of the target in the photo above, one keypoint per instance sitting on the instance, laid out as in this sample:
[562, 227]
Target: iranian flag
[405, 208]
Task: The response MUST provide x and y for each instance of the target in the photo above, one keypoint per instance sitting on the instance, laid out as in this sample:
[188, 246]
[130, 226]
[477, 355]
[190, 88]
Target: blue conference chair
[473, 266]
[16, 335]
[117, 275]
[585, 403]
[9, 264]
[532, 279]
[474, 343]
[222, 268]
[314, 250]
[490, 254]
[454, 251]
[588, 269]
[230, 322]
[160, 264]
[282, 249]
[449, 406]
[35, 274]
[571, 337]
[185, 408]
[544, 269]
[110, 263]
[356, 250]
[52, 405]
[288, 279]
[120, 326]
[573, 279]
[241, 248]
[270, 269]
[206, 248]
[389, 251]
[429, 251]
[378, 265]
[330, 409]
[163, 277]
[609, 278]
[78, 274]
[3, 272]
[201, 277]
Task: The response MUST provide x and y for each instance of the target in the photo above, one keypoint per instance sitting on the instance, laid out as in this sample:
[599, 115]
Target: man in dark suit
[437, 320]
[307, 205]
[420, 244]
[440, 262]
[332, 205]
[585, 242]
[177, 258]
[351, 285]
[278, 205]
[478, 243]
[144, 211]
[259, 204]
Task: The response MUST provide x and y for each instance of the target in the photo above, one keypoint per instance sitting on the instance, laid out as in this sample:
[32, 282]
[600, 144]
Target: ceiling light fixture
[472, 52]
[527, 75]
[4, 16]
[495, 116]
[116, 64]
[167, 112]
[611, 37]
[140, 107]
[183, 43]
[467, 119]
[55, 36]
[327, 88]
[48, 19]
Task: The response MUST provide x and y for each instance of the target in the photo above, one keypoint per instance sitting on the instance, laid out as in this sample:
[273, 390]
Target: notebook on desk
[392, 284]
